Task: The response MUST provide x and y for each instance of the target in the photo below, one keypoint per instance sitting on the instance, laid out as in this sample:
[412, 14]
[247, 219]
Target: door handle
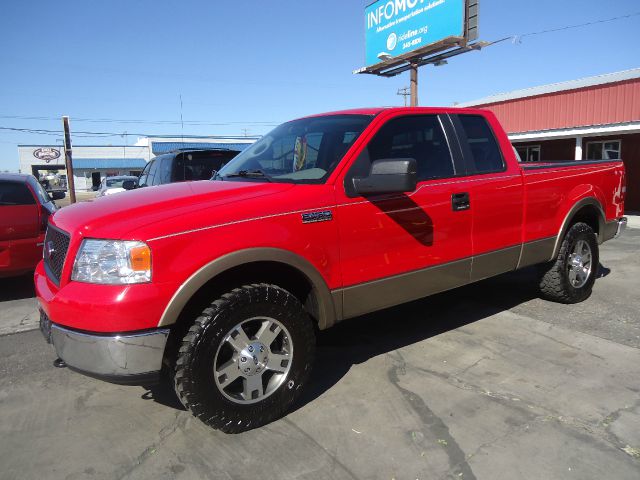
[460, 201]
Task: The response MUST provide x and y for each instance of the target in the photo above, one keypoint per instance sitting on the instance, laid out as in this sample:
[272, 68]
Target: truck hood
[117, 216]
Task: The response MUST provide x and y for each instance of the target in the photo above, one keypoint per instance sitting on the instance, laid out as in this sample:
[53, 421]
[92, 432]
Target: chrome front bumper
[122, 358]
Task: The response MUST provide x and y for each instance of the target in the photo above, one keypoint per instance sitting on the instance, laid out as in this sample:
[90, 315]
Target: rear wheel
[570, 278]
[246, 358]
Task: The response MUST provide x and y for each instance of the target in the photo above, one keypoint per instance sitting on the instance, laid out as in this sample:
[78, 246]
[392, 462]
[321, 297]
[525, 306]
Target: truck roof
[377, 110]
[15, 177]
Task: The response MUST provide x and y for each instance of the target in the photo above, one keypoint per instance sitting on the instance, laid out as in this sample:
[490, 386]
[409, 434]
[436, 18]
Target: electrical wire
[40, 131]
[149, 122]
[579, 25]
[89, 134]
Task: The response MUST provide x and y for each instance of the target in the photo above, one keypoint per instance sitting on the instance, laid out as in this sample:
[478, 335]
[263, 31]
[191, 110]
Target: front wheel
[246, 358]
[570, 278]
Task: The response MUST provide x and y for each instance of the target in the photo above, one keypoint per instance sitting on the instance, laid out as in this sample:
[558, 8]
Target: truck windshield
[117, 182]
[302, 151]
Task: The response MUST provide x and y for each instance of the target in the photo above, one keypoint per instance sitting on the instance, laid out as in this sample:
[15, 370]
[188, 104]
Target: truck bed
[551, 188]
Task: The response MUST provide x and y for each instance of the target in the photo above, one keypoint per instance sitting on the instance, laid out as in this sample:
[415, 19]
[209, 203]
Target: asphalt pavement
[484, 382]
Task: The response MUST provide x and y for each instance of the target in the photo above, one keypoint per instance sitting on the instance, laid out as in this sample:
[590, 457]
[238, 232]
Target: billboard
[399, 27]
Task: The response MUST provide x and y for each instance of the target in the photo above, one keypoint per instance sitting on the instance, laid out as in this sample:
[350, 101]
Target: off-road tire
[555, 284]
[193, 373]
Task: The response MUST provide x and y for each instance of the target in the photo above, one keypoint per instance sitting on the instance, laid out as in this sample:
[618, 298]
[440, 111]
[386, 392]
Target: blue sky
[245, 65]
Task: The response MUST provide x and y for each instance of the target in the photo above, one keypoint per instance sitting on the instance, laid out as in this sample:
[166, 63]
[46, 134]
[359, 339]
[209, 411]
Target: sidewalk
[80, 197]
[633, 221]
[18, 305]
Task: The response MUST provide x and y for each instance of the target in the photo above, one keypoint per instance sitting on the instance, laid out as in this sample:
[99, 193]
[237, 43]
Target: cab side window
[482, 151]
[15, 193]
[420, 137]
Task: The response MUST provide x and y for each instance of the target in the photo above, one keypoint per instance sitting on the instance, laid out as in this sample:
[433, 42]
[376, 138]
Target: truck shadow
[408, 215]
[17, 288]
[359, 339]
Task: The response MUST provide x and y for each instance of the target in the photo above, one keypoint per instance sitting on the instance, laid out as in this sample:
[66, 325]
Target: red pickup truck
[222, 284]
[25, 208]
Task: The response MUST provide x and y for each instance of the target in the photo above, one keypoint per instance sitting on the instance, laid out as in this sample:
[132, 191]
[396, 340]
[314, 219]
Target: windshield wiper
[249, 174]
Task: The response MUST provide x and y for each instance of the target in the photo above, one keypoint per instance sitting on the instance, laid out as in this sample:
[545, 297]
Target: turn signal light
[140, 258]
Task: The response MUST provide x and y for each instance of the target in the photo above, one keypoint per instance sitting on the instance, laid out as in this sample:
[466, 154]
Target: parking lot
[485, 382]
[80, 197]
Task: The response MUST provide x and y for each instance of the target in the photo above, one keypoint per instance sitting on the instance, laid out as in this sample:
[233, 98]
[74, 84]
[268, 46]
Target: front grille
[56, 244]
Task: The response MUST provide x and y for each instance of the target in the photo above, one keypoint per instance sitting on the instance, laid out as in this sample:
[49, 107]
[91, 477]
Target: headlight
[112, 262]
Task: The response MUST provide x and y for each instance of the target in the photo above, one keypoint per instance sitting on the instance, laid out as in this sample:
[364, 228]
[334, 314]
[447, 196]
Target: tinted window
[484, 152]
[418, 137]
[199, 165]
[14, 193]
[114, 182]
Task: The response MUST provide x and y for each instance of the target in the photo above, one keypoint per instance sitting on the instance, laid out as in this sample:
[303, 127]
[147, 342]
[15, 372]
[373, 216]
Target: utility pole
[404, 92]
[414, 84]
[67, 160]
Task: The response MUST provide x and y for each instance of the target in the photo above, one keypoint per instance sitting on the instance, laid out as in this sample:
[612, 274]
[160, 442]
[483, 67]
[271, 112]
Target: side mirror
[57, 195]
[129, 184]
[393, 175]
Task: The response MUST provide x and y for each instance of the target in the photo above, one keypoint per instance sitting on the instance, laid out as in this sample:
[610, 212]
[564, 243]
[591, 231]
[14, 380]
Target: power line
[41, 131]
[579, 25]
[140, 121]
[88, 134]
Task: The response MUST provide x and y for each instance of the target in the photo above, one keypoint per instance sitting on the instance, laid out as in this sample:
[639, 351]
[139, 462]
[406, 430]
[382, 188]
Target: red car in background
[25, 208]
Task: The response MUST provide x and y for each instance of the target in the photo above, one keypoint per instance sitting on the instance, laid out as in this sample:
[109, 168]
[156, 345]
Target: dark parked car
[184, 165]
[25, 208]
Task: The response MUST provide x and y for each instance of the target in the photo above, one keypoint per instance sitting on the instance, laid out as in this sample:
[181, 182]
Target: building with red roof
[589, 119]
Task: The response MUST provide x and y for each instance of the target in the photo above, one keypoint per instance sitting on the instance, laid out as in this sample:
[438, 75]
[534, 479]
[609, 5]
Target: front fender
[326, 306]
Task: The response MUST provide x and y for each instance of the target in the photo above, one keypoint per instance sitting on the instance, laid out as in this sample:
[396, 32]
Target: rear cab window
[480, 148]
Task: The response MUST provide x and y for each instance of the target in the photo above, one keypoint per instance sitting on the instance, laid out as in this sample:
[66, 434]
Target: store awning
[108, 163]
[158, 148]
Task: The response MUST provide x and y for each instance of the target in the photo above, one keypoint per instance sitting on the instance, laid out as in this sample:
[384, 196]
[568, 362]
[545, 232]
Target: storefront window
[608, 150]
[529, 153]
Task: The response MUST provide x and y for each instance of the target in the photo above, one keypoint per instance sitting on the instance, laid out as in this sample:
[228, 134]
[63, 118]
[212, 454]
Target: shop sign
[46, 154]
